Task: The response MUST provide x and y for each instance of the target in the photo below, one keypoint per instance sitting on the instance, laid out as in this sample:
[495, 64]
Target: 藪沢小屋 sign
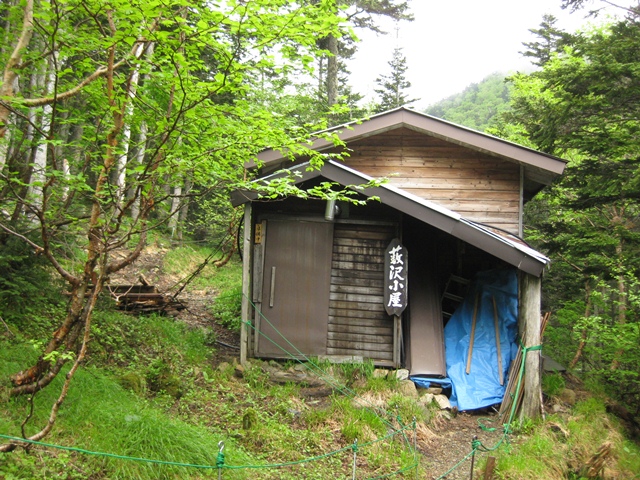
[395, 282]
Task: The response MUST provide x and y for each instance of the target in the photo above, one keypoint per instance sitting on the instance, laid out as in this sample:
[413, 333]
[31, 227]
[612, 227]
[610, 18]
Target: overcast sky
[452, 44]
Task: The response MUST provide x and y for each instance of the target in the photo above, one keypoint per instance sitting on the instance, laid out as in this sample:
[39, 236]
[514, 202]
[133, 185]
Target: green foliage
[477, 106]
[356, 371]
[26, 286]
[227, 306]
[393, 87]
[561, 447]
[358, 423]
[102, 416]
[584, 103]
[553, 384]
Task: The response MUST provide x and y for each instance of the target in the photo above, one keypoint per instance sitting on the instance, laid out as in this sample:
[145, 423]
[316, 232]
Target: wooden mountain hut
[381, 281]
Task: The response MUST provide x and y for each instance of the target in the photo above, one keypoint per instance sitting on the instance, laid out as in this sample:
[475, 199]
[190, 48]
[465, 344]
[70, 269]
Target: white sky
[452, 44]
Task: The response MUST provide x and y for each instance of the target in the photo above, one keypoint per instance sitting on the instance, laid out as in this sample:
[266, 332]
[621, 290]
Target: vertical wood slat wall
[358, 322]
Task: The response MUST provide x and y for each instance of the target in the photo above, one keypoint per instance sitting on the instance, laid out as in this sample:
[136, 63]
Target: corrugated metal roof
[502, 245]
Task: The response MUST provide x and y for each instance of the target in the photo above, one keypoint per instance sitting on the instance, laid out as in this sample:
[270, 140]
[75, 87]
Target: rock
[222, 367]
[568, 396]
[442, 401]
[426, 399]
[239, 371]
[287, 377]
[402, 374]
[408, 388]
[380, 373]
[431, 391]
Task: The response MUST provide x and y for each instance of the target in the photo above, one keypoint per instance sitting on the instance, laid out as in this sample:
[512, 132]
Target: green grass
[100, 415]
[149, 388]
[561, 446]
[183, 261]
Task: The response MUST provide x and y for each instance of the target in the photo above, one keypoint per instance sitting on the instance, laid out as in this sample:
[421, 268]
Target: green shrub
[227, 308]
[26, 286]
[553, 384]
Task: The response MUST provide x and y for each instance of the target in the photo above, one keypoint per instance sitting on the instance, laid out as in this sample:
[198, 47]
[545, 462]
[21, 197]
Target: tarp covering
[481, 387]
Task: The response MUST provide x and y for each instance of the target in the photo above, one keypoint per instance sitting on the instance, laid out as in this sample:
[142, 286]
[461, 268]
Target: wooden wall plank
[358, 322]
[479, 186]
[372, 353]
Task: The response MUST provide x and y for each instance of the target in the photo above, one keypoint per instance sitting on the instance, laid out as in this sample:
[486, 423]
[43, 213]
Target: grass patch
[100, 415]
[562, 446]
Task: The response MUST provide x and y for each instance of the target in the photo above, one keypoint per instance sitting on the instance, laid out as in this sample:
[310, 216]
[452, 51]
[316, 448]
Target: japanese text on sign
[395, 285]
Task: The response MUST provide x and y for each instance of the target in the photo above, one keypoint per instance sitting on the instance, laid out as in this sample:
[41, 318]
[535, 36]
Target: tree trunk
[38, 175]
[530, 323]
[132, 87]
[10, 73]
[332, 71]
[584, 333]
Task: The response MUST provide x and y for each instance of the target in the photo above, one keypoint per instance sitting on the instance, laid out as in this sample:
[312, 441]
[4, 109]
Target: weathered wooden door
[295, 295]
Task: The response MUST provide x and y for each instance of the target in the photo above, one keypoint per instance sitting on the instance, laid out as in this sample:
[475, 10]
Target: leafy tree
[359, 14]
[477, 106]
[108, 107]
[584, 104]
[551, 41]
[392, 91]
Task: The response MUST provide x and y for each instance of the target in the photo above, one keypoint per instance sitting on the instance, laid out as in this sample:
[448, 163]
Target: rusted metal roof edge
[512, 252]
[421, 122]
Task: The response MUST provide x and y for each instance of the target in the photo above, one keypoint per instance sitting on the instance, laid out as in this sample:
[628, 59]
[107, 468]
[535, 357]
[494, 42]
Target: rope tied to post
[220, 458]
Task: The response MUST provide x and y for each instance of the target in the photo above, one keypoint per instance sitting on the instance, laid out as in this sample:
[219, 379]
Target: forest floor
[453, 432]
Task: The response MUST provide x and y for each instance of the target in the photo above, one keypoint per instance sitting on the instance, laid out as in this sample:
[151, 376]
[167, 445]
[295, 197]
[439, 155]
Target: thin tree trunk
[38, 175]
[175, 209]
[332, 71]
[10, 73]
[622, 304]
[584, 333]
[121, 169]
[142, 148]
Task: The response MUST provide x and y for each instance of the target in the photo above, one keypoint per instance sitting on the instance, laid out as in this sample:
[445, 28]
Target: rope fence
[221, 464]
[352, 450]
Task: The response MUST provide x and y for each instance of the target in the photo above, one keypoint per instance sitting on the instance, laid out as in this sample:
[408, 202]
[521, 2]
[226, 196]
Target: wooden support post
[496, 326]
[473, 333]
[489, 468]
[529, 324]
[246, 284]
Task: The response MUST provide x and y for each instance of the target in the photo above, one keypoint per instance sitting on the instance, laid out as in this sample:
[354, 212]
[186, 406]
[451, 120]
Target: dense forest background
[123, 119]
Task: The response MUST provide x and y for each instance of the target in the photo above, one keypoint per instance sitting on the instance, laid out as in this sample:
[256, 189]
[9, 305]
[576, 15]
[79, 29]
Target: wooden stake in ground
[473, 332]
[497, 328]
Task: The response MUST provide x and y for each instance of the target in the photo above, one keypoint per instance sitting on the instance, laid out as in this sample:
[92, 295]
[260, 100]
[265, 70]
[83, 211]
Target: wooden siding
[480, 187]
[358, 323]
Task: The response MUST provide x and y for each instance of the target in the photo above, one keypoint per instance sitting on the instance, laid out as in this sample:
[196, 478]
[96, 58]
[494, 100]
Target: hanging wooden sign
[395, 281]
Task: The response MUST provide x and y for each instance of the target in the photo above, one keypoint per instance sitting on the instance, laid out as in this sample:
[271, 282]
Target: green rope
[104, 454]
[477, 445]
[308, 363]
[220, 458]
[484, 427]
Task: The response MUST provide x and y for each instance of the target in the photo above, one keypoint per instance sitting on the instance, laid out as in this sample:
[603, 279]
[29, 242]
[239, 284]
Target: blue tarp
[481, 388]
